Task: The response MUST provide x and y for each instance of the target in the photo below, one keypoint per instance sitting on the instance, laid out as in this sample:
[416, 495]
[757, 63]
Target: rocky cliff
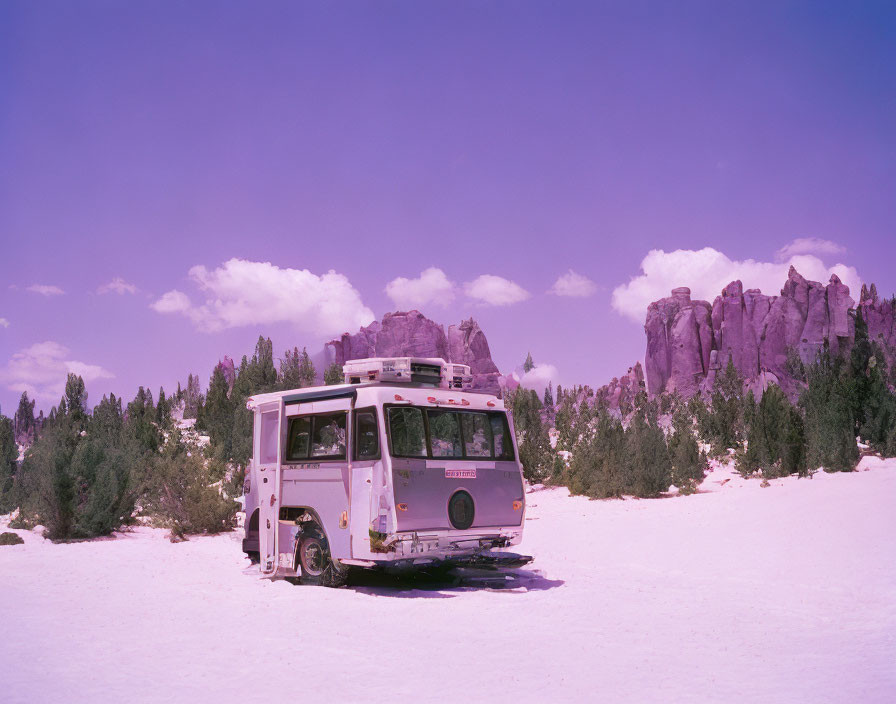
[689, 341]
[414, 335]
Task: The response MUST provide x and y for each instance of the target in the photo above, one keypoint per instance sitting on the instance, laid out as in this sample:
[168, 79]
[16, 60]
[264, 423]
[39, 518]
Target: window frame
[310, 457]
[379, 439]
[509, 452]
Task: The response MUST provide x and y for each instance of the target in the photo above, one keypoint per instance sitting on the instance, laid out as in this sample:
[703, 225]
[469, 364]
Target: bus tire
[315, 564]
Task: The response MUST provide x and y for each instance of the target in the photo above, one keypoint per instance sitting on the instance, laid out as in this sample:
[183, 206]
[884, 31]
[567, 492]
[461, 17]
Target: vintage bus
[400, 468]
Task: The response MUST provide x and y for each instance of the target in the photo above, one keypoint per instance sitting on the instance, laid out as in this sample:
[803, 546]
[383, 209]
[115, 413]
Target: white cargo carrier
[425, 371]
[402, 467]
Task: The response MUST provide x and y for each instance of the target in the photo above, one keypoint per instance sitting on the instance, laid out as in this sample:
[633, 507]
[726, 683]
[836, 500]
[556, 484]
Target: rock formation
[411, 334]
[689, 341]
[621, 391]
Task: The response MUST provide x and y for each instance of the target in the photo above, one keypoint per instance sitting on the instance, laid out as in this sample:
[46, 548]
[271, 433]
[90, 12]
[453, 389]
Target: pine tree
[163, 410]
[9, 453]
[775, 438]
[24, 422]
[217, 417]
[192, 397]
[647, 457]
[262, 372]
[723, 425]
[827, 403]
[859, 372]
[140, 420]
[688, 463]
[536, 453]
[598, 465]
[528, 365]
[333, 375]
[307, 373]
[548, 395]
[290, 370]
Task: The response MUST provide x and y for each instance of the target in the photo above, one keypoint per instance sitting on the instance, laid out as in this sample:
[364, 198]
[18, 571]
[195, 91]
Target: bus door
[267, 442]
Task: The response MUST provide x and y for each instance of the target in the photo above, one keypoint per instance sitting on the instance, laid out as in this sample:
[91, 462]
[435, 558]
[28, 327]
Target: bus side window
[297, 440]
[367, 439]
[270, 424]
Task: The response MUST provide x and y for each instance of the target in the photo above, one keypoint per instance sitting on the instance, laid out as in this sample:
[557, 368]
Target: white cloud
[41, 370]
[432, 286]
[45, 290]
[707, 271]
[173, 301]
[808, 245]
[495, 290]
[241, 292]
[537, 378]
[4, 323]
[574, 285]
[117, 285]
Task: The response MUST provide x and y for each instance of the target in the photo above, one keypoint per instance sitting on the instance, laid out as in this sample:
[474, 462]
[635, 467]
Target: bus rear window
[449, 434]
[444, 434]
[501, 435]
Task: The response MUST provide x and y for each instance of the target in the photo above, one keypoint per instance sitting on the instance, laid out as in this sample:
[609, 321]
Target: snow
[738, 593]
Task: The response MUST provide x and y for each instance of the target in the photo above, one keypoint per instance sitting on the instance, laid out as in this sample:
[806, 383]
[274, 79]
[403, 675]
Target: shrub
[8, 538]
[185, 495]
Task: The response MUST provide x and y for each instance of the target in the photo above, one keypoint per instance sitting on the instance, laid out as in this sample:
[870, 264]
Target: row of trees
[222, 413]
[87, 473]
[845, 397]
[606, 457]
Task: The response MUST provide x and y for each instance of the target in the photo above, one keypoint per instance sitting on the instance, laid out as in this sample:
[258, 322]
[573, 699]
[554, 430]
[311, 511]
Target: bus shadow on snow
[449, 582]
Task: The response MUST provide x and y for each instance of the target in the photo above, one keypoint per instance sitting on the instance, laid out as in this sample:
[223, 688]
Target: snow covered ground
[740, 593]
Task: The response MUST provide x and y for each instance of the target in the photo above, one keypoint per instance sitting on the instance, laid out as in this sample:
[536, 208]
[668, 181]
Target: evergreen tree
[775, 438]
[565, 422]
[859, 372]
[876, 413]
[9, 453]
[163, 410]
[25, 427]
[192, 397]
[598, 465]
[333, 375]
[536, 453]
[648, 464]
[528, 365]
[549, 395]
[307, 373]
[688, 463]
[827, 403]
[140, 420]
[722, 427]
[290, 370]
[217, 416]
[263, 374]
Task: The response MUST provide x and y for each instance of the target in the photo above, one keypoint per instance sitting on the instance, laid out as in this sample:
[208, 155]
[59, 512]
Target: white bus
[402, 467]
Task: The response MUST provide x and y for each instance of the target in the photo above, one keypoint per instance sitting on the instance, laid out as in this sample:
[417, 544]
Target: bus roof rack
[425, 371]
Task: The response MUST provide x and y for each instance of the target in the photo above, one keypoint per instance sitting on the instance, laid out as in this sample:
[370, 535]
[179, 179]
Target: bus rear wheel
[315, 563]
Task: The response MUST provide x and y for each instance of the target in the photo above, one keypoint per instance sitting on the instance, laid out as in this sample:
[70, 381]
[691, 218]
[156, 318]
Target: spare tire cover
[461, 510]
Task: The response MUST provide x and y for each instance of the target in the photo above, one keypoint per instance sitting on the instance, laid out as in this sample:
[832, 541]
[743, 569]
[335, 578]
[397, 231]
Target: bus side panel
[324, 491]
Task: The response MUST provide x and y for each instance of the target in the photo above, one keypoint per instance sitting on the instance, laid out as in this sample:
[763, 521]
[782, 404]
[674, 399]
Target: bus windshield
[440, 433]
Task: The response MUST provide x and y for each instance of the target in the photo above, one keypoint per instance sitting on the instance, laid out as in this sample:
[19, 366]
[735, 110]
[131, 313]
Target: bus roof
[379, 392]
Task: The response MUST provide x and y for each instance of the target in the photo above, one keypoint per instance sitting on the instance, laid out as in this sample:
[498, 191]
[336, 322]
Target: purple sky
[520, 140]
